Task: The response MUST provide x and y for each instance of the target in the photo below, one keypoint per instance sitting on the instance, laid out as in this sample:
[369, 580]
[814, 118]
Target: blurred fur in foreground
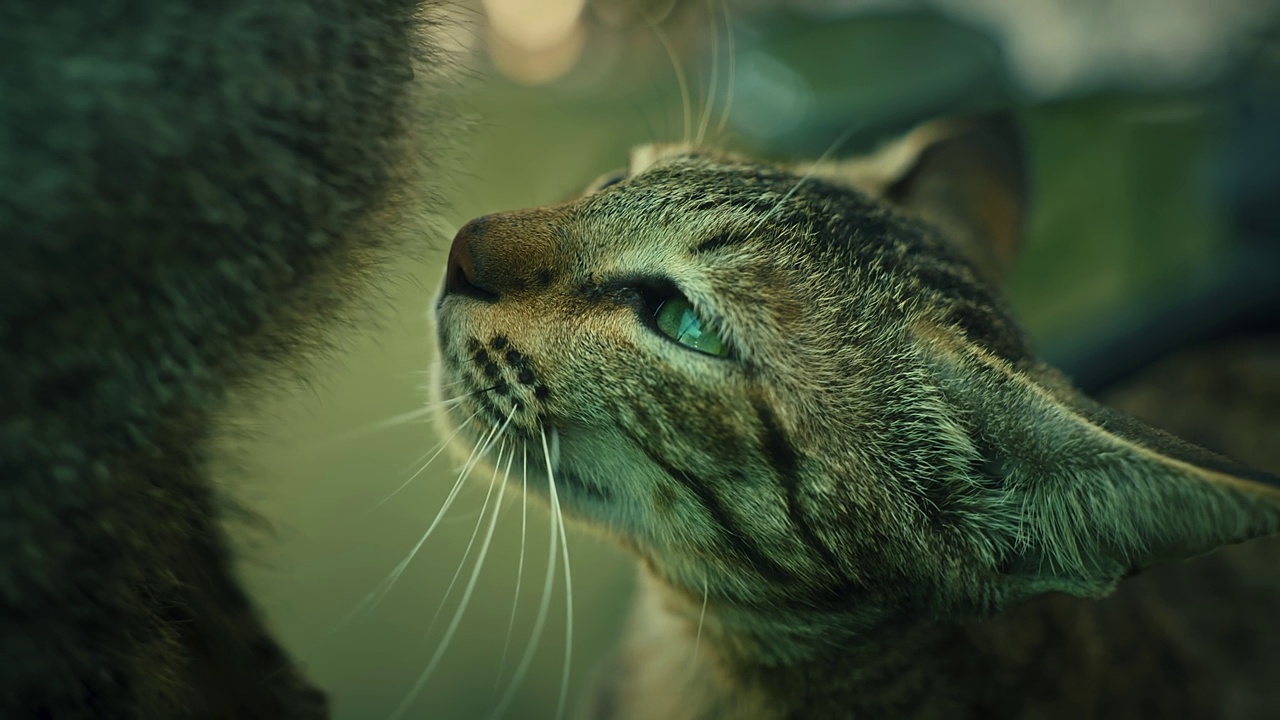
[189, 193]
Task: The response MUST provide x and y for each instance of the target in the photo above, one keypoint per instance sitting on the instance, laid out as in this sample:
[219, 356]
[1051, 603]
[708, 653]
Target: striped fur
[881, 492]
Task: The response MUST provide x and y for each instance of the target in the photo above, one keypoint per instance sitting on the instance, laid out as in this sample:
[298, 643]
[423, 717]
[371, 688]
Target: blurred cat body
[190, 194]
[865, 496]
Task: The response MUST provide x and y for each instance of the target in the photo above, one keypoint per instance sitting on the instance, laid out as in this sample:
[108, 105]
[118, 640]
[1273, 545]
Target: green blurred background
[1128, 210]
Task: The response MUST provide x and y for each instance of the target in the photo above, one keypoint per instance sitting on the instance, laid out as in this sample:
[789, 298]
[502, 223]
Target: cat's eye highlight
[677, 320]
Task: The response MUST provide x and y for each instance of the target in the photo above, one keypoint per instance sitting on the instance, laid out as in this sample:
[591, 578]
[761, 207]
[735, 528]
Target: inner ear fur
[967, 176]
[970, 179]
[1087, 495]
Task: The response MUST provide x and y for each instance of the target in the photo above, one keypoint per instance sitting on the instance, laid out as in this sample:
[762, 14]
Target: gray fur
[189, 192]
[882, 488]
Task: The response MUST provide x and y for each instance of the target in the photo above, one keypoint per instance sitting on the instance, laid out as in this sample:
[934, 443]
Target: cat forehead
[656, 155]
[644, 157]
[685, 180]
[712, 192]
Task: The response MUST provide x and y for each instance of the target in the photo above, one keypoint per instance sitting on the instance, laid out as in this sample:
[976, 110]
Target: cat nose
[461, 276]
[504, 253]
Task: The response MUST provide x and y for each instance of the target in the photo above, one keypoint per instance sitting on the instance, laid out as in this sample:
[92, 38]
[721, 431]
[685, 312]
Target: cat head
[800, 386]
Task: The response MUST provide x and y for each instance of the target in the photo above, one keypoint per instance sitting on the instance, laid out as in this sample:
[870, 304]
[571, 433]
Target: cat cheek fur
[883, 484]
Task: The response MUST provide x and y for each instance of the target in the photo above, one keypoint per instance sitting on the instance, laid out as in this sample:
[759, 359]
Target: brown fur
[879, 503]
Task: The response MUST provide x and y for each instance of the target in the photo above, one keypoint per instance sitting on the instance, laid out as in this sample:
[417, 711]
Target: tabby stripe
[716, 242]
[782, 457]
[743, 543]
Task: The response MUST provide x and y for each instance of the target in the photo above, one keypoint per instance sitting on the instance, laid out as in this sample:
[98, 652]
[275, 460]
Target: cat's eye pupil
[677, 320]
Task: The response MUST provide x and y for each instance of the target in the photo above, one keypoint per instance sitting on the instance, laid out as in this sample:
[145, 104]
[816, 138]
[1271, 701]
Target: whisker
[415, 414]
[539, 624]
[728, 90]
[466, 594]
[515, 601]
[652, 135]
[686, 102]
[448, 502]
[470, 542]
[375, 596]
[702, 616]
[395, 420]
[434, 453]
[808, 174]
[705, 120]
[557, 521]
[412, 415]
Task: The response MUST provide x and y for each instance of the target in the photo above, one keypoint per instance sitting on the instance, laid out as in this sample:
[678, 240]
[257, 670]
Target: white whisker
[515, 601]
[401, 419]
[808, 174]
[421, 412]
[477, 452]
[471, 541]
[557, 522]
[554, 457]
[433, 453]
[702, 616]
[728, 90]
[544, 606]
[705, 120]
[685, 100]
[448, 501]
[384, 586]
[466, 594]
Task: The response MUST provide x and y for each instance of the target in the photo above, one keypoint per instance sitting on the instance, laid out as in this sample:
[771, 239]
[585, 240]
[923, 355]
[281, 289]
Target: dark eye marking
[661, 307]
[781, 455]
[741, 542]
[642, 292]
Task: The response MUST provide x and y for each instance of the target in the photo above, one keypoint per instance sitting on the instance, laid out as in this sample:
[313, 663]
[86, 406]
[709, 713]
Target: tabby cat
[797, 395]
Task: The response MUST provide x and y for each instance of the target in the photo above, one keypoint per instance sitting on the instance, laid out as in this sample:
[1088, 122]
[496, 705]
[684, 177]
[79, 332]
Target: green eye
[676, 319]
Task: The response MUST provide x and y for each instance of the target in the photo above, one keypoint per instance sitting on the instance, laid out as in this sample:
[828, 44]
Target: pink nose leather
[461, 276]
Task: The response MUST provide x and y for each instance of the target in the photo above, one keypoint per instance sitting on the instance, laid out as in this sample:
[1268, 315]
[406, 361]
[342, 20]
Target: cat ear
[1074, 496]
[967, 176]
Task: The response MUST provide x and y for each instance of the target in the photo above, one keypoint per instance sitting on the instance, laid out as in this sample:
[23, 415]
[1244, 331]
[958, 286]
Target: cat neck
[753, 664]
[682, 662]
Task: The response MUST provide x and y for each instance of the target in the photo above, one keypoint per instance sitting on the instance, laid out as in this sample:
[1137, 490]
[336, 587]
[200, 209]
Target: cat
[797, 395]
[189, 194]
